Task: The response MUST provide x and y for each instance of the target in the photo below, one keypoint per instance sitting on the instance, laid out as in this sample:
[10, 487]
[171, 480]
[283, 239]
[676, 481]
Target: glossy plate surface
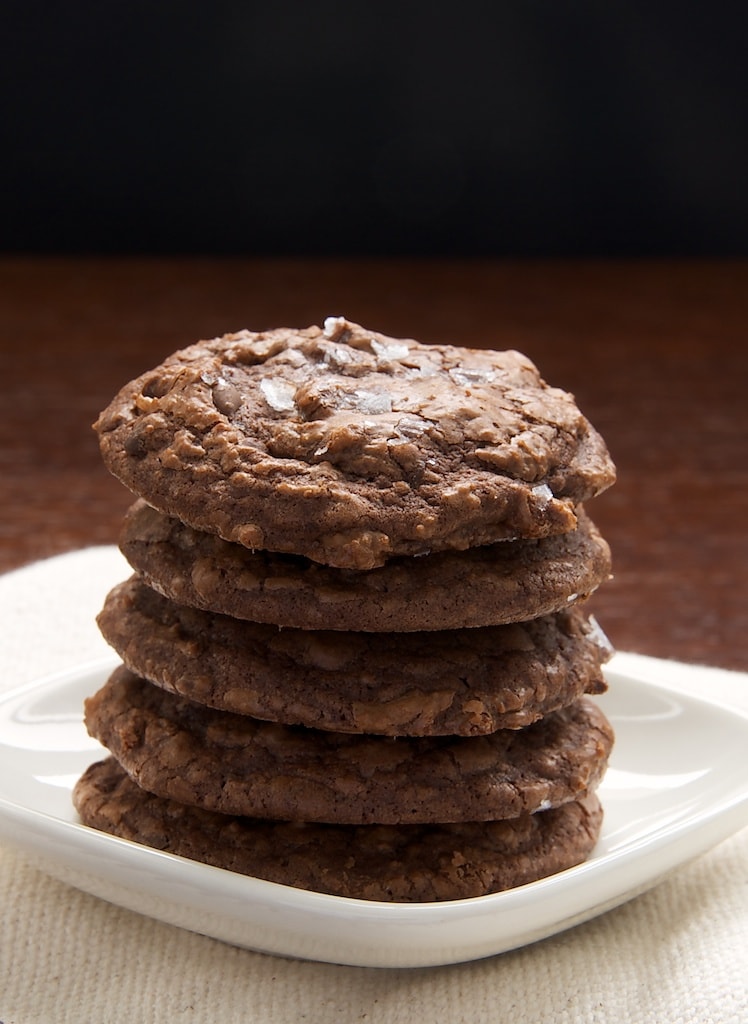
[676, 786]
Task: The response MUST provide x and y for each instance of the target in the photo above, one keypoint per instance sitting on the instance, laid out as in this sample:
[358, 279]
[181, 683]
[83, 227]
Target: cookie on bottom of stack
[407, 863]
[413, 517]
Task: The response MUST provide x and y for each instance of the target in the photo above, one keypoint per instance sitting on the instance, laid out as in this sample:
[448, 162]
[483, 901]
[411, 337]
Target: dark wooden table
[656, 354]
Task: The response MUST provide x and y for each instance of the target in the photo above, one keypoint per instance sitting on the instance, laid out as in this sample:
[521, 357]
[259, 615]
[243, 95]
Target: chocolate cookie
[407, 864]
[462, 682]
[349, 447]
[239, 765]
[508, 581]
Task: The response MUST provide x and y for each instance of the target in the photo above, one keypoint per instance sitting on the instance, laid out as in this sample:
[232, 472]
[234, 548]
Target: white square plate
[676, 786]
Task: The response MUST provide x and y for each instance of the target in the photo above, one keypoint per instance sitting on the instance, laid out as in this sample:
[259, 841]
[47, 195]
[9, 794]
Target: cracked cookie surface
[350, 447]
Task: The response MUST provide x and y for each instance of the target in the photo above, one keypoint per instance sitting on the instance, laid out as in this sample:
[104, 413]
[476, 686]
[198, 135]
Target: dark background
[522, 129]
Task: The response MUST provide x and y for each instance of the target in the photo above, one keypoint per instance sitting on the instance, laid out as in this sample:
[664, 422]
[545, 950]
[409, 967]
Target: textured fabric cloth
[677, 954]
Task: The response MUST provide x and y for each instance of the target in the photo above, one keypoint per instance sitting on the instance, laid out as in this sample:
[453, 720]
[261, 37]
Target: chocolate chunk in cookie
[348, 447]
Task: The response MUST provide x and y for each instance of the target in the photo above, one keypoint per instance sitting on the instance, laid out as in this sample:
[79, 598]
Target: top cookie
[349, 447]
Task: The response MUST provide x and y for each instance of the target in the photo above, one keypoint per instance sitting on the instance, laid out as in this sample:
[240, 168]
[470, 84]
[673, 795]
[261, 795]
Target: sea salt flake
[464, 376]
[337, 357]
[597, 635]
[389, 353]
[373, 402]
[279, 394]
[409, 427]
[334, 326]
[543, 492]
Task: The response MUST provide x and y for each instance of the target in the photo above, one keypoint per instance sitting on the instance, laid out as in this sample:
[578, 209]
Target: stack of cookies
[355, 652]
